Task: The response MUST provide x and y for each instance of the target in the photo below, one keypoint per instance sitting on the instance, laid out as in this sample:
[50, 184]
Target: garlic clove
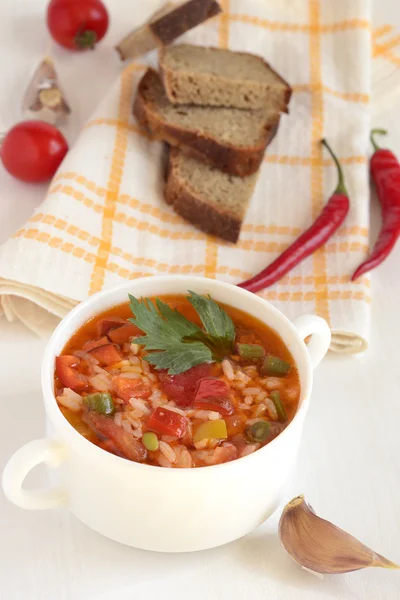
[320, 546]
[43, 97]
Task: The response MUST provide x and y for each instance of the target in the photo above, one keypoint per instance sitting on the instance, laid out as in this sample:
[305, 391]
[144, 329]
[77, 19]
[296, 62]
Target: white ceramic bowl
[168, 510]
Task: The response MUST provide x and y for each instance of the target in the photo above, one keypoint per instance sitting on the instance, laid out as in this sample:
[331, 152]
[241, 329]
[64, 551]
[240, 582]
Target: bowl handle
[318, 329]
[18, 467]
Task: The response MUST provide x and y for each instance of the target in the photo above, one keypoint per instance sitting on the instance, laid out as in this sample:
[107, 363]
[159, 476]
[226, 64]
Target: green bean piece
[250, 351]
[273, 365]
[150, 441]
[257, 432]
[100, 402]
[280, 409]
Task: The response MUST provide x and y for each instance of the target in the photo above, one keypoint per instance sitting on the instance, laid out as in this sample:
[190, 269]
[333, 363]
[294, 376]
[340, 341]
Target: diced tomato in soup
[213, 394]
[181, 388]
[167, 422]
[104, 325]
[123, 334]
[66, 371]
[107, 355]
[130, 388]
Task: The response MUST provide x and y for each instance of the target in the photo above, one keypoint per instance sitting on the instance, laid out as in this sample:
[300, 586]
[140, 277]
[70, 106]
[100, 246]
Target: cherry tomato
[77, 24]
[33, 150]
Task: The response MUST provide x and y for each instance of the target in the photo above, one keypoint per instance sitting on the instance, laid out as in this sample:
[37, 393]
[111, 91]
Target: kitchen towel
[104, 219]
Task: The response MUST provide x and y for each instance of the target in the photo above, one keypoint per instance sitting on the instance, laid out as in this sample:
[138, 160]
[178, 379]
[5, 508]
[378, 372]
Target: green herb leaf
[218, 325]
[178, 358]
[181, 344]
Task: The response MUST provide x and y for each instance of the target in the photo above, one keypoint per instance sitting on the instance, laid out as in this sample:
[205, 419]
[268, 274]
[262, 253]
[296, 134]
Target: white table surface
[349, 462]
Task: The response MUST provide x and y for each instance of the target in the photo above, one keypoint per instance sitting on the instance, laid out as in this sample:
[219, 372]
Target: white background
[349, 463]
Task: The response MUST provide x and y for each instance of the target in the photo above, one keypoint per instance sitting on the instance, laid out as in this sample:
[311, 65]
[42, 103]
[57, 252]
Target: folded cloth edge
[343, 342]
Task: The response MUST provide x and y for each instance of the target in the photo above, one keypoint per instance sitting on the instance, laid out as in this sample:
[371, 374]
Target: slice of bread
[230, 139]
[165, 25]
[213, 201]
[217, 77]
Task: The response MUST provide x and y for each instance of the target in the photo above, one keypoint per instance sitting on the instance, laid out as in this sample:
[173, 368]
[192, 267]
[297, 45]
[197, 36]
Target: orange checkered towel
[104, 218]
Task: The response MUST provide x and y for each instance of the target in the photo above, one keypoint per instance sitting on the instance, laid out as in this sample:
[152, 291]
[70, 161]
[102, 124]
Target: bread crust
[183, 18]
[207, 218]
[235, 160]
[165, 25]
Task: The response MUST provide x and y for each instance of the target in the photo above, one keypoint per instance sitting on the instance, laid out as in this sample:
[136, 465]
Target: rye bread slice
[218, 77]
[165, 25]
[232, 140]
[213, 201]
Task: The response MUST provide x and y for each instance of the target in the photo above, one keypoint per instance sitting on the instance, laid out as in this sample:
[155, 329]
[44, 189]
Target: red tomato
[130, 388]
[167, 422]
[123, 334]
[95, 344]
[106, 355]
[66, 373]
[181, 388]
[77, 24]
[104, 325]
[221, 405]
[213, 394]
[33, 150]
[211, 387]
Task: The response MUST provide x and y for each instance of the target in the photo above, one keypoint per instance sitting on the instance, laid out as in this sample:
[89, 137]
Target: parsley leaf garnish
[179, 343]
[218, 325]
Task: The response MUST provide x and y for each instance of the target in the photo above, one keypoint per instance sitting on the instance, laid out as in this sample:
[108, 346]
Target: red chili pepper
[313, 238]
[385, 171]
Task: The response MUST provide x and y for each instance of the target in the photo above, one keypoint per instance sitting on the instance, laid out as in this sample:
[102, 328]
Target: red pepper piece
[130, 388]
[213, 394]
[181, 388]
[313, 238]
[104, 325]
[120, 335]
[95, 343]
[66, 372]
[385, 171]
[106, 355]
[167, 422]
[105, 427]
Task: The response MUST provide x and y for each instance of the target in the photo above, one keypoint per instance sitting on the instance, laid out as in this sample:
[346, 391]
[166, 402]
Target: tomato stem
[86, 39]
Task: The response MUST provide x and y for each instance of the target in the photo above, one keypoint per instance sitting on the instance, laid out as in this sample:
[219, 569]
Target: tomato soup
[180, 383]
